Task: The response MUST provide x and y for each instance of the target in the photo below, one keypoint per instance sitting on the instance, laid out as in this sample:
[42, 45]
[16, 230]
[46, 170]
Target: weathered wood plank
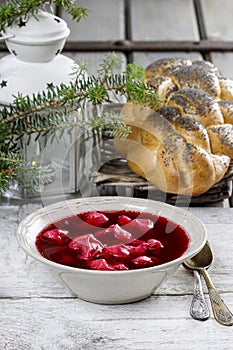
[218, 19]
[223, 60]
[105, 21]
[70, 324]
[163, 20]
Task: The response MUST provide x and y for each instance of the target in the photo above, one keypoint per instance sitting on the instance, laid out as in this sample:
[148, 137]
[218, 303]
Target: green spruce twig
[29, 176]
[53, 111]
[14, 9]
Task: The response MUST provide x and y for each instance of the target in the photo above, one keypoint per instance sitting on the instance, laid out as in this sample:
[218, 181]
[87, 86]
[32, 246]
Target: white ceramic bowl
[110, 287]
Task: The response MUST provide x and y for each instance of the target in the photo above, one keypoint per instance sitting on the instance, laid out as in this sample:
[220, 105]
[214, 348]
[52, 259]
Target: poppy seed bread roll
[176, 157]
[221, 164]
[227, 110]
[162, 86]
[221, 139]
[226, 87]
[186, 145]
[174, 153]
[191, 129]
[134, 116]
[196, 77]
[169, 112]
[185, 74]
[197, 104]
[209, 67]
[164, 67]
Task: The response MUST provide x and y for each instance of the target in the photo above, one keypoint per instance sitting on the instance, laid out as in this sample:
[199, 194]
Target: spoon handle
[221, 312]
[199, 309]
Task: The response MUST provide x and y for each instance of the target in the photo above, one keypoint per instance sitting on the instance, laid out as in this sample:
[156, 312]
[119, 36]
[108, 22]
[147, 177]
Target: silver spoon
[201, 262]
[198, 309]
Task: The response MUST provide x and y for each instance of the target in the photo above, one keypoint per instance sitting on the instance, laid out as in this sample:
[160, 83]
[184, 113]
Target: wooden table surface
[38, 314]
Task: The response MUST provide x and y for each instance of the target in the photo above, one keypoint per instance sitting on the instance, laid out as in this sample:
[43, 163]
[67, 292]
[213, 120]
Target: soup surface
[112, 240]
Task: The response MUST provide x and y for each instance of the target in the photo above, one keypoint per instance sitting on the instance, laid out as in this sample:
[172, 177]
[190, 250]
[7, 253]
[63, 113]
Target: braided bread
[185, 146]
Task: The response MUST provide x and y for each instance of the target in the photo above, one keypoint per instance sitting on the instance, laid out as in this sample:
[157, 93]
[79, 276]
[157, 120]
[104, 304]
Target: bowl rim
[21, 231]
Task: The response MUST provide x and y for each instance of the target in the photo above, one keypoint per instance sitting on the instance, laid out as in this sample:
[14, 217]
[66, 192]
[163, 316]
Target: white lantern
[35, 64]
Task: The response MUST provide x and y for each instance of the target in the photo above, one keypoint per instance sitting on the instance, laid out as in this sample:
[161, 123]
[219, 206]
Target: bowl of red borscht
[111, 250]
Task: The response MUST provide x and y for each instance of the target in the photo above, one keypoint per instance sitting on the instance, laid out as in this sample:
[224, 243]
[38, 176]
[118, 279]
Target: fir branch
[96, 90]
[111, 62]
[107, 121]
[29, 175]
[21, 8]
[76, 12]
[32, 176]
[134, 72]
[138, 92]
[6, 180]
[53, 111]
[9, 159]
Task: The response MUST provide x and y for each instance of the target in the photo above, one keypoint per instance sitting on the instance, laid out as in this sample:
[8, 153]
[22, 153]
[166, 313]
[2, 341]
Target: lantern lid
[41, 27]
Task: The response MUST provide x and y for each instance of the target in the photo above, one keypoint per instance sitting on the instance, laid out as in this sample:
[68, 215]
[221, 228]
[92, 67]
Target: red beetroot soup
[112, 240]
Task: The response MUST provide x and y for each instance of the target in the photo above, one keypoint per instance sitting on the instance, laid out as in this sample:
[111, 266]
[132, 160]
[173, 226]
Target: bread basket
[116, 178]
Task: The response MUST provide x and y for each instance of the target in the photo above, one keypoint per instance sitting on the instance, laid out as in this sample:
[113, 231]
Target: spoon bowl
[201, 262]
[203, 259]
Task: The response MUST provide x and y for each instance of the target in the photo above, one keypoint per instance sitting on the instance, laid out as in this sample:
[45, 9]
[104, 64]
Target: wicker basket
[115, 178]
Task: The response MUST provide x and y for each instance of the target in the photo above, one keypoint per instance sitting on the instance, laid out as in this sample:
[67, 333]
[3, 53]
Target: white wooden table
[36, 313]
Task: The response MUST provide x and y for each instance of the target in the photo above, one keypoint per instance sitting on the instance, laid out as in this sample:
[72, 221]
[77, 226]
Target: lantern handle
[4, 37]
